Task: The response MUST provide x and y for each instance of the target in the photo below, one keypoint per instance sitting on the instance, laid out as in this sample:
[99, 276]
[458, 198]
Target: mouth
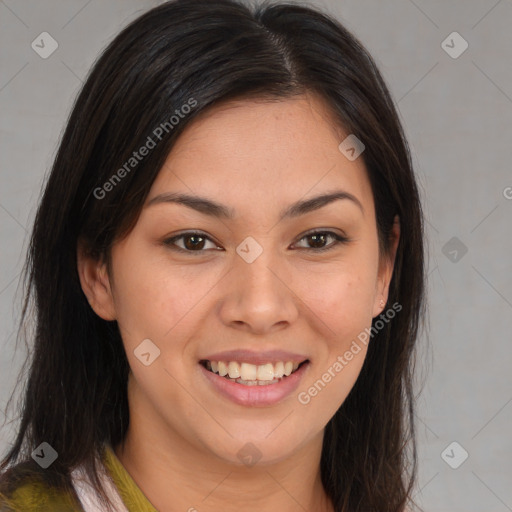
[254, 385]
[249, 374]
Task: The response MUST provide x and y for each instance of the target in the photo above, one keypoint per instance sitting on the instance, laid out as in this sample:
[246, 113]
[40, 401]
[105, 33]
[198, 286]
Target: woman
[227, 266]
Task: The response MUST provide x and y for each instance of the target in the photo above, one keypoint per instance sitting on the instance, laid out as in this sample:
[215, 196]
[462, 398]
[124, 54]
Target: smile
[250, 374]
[254, 385]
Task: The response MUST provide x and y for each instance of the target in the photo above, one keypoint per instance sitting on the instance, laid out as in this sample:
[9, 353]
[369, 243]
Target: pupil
[317, 238]
[193, 246]
[318, 241]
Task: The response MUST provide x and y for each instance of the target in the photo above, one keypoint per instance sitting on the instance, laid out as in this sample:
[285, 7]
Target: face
[253, 282]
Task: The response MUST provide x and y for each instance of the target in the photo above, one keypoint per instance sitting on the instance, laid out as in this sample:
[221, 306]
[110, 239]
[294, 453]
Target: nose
[258, 298]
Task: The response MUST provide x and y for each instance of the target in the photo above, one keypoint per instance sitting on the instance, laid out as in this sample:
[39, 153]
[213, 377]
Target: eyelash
[339, 239]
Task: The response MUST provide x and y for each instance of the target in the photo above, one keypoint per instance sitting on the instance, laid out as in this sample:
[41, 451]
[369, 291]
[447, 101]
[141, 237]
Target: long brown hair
[76, 393]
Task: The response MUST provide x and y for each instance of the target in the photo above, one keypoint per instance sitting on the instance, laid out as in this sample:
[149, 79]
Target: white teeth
[279, 369]
[251, 374]
[249, 382]
[256, 382]
[266, 372]
[248, 371]
[223, 369]
[234, 370]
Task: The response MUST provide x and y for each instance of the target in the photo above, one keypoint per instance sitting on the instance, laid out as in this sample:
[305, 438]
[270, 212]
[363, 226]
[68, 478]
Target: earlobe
[95, 282]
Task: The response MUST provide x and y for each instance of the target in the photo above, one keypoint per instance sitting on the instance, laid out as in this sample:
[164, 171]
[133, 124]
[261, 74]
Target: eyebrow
[214, 209]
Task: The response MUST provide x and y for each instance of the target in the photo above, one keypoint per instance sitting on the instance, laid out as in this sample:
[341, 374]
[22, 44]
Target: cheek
[343, 303]
[158, 300]
[342, 299]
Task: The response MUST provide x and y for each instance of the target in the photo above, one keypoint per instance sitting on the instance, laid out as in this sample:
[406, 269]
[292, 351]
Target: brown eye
[318, 239]
[192, 242]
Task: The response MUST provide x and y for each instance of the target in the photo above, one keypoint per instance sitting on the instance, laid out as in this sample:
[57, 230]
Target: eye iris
[318, 238]
[194, 245]
[196, 242]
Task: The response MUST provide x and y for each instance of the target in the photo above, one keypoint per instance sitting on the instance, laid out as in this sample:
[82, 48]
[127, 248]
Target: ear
[386, 266]
[95, 282]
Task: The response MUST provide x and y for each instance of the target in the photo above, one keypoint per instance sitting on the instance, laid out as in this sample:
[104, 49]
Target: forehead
[254, 153]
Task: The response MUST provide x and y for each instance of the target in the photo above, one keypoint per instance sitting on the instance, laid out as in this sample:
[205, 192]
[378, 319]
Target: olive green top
[36, 496]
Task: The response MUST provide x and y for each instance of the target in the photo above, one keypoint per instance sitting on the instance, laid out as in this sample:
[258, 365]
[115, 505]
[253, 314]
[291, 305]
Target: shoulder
[24, 488]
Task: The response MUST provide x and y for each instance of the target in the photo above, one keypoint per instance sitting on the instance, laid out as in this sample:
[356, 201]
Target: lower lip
[256, 396]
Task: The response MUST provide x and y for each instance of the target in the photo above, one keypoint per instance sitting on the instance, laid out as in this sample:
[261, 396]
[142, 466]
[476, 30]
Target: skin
[257, 158]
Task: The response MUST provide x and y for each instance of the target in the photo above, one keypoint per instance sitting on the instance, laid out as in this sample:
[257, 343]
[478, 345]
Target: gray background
[457, 113]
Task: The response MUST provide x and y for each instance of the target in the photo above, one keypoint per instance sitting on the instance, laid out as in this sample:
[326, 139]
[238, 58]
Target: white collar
[87, 495]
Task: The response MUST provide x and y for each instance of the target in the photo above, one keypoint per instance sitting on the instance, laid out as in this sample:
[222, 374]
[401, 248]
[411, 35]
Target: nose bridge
[255, 263]
[258, 297]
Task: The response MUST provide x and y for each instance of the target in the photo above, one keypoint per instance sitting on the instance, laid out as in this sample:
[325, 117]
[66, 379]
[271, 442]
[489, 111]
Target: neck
[175, 475]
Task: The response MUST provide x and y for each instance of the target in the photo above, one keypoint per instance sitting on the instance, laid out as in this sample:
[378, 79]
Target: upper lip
[256, 358]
